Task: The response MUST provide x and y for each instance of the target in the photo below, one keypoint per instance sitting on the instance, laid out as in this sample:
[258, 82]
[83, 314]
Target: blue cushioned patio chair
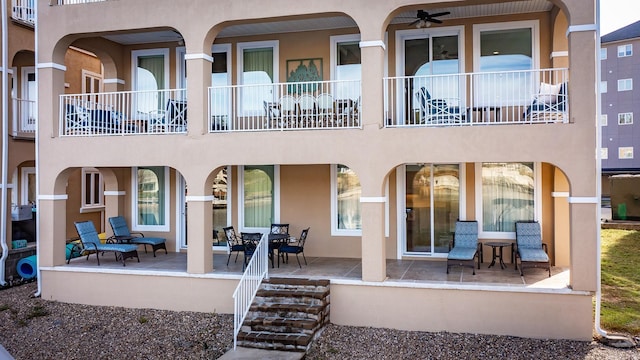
[234, 243]
[438, 111]
[531, 251]
[122, 234]
[465, 246]
[295, 248]
[91, 243]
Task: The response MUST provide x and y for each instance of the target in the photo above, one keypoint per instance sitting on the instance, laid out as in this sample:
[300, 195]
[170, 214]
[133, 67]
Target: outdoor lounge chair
[250, 242]
[550, 104]
[121, 233]
[171, 120]
[295, 248]
[465, 246]
[438, 111]
[531, 251]
[91, 243]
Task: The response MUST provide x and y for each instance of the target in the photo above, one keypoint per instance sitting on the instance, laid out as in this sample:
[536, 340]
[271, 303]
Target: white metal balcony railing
[256, 271]
[23, 11]
[285, 106]
[24, 117]
[488, 98]
[124, 113]
[72, 2]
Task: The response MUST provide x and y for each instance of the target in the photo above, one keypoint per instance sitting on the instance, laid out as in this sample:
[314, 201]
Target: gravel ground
[32, 328]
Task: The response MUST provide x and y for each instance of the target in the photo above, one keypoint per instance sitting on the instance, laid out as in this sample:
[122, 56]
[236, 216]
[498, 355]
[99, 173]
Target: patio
[419, 271]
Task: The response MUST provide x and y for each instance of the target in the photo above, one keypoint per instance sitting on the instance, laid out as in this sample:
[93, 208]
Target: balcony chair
[234, 243]
[288, 111]
[530, 249]
[278, 236]
[465, 246]
[250, 242]
[307, 106]
[438, 111]
[121, 234]
[549, 105]
[325, 104]
[294, 248]
[171, 120]
[91, 244]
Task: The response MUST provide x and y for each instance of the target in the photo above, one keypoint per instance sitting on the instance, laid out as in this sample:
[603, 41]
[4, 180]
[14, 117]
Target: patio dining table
[275, 241]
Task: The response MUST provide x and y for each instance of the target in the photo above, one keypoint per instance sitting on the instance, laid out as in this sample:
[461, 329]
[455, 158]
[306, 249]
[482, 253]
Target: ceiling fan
[424, 19]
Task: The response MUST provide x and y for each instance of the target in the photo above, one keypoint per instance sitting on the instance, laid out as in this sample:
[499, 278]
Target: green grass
[621, 281]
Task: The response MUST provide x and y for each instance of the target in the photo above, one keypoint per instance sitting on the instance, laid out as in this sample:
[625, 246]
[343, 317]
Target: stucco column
[52, 219]
[199, 234]
[199, 71]
[374, 256]
[372, 53]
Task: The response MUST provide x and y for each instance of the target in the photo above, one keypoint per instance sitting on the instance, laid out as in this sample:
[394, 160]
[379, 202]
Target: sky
[615, 14]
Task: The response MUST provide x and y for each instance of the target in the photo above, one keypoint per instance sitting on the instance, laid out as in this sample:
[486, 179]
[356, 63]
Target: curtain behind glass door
[258, 196]
[257, 70]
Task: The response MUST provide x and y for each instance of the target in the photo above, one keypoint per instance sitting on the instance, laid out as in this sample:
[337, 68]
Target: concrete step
[274, 341]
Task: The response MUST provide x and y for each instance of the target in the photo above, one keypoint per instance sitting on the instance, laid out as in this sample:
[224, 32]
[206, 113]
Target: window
[603, 87]
[259, 197]
[28, 186]
[603, 120]
[345, 202]
[511, 46]
[625, 118]
[604, 153]
[625, 152]
[257, 65]
[151, 201]
[625, 50]
[221, 205]
[346, 65]
[506, 194]
[150, 72]
[603, 53]
[625, 84]
[92, 189]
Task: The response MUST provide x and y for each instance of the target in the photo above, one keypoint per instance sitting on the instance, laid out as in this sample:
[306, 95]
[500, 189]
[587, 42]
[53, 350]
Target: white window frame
[95, 205]
[537, 199]
[181, 71]
[240, 47]
[335, 40]
[534, 25]
[622, 118]
[625, 84]
[93, 76]
[24, 184]
[149, 52]
[335, 231]
[134, 203]
[603, 53]
[625, 149]
[276, 200]
[625, 50]
[604, 120]
[604, 153]
[229, 202]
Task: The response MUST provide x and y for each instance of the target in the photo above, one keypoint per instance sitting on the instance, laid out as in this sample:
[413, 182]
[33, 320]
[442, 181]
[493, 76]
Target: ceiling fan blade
[435, 21]
[414, 22]
[440, 14]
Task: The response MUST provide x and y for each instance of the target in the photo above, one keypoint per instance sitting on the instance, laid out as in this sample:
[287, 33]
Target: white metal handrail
[285, 106]
[23, 11]
[124, 113]
[24, 117]
[73, 2]
[256, 271]
[487, 98]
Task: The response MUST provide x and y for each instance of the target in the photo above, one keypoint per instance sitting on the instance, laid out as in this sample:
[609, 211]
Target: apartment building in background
[366, 121]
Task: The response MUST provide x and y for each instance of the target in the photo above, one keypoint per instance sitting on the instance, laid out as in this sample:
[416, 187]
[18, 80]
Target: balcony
[487, 98]
[124, 113]
[24, 118]
[24, 12]
[285, 106]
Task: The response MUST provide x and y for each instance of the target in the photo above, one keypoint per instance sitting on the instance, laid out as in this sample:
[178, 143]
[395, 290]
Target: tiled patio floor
[428, 271]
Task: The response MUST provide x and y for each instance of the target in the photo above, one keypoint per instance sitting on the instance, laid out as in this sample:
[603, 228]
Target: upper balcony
[24, 119]
[24, 12]
[492, 63]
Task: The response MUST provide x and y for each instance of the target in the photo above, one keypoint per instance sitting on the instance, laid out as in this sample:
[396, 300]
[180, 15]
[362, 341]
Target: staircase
[286, 315]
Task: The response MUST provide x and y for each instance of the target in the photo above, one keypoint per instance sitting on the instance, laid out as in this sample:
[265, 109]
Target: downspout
[38, 119]
[598, 329]
[5, 145]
